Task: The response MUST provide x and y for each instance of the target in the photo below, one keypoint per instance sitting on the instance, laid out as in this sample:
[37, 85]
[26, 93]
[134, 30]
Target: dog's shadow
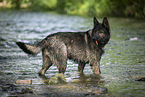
[81, 79]
[91, 78]
[43, 77]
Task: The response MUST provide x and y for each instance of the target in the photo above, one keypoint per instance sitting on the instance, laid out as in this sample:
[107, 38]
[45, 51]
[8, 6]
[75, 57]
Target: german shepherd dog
[82, 47]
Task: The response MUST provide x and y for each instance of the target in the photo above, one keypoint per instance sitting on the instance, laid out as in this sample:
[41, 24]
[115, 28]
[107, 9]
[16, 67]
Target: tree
[16, 3]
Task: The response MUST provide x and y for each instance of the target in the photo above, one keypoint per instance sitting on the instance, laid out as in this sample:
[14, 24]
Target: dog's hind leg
[46, 62]
[81, 67]
[61, 57]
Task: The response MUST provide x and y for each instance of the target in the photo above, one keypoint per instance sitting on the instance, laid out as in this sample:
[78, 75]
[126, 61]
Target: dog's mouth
[96, 42]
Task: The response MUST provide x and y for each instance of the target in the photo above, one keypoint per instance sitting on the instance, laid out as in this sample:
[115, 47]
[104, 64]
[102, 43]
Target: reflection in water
[121, 64]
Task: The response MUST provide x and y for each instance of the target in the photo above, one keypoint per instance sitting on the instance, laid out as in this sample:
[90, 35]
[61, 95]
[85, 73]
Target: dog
[81, 47]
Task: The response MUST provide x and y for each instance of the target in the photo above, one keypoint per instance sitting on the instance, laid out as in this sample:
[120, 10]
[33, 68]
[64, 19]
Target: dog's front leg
[81, 67]
[96, 67]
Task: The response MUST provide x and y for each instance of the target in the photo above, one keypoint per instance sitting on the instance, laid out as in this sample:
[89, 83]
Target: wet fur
[82, 47]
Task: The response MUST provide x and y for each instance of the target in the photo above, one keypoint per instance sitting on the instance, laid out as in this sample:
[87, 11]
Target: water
[121, 64]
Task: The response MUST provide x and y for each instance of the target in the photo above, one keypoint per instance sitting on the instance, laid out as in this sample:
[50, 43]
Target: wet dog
[82, 47]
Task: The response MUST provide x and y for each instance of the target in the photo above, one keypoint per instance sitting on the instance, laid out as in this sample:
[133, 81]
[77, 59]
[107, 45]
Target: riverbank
[91, 8]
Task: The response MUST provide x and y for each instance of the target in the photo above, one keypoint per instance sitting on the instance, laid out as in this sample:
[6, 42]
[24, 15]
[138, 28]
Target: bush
[133, 8]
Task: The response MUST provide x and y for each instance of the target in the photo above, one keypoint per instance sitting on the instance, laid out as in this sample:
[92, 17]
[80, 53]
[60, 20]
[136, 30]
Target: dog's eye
[101, 32]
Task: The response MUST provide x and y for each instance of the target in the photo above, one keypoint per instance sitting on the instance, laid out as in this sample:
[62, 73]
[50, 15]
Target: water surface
[122, 63]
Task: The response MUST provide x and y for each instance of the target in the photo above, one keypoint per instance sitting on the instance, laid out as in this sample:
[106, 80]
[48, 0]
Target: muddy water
[122, 63]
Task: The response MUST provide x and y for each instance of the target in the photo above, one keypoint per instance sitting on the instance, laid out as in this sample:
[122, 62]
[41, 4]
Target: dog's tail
[32, 49]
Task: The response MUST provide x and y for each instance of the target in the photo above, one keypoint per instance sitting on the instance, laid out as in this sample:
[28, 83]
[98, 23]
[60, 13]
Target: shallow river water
[122, 63]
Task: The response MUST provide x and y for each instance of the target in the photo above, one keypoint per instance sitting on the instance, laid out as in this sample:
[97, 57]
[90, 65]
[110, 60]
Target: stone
[28, 82]
[58, 78]
[98, 91]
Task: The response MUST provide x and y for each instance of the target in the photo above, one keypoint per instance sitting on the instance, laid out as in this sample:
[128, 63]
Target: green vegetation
[133, 8]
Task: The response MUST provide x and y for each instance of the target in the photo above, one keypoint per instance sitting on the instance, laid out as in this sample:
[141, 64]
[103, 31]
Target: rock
[58, 78]
[99, 91]
[26, 90]
[135, 38]
[24, 82]
[6, 86]
[76, 80]
[22, 93]
[2, 39]
[140, 79]
[103, 90]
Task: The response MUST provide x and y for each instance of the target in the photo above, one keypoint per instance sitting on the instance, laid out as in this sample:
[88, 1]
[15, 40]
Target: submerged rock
[26, 90]
[2, 39]
[98, 91]
[58, 78]
[8, 87]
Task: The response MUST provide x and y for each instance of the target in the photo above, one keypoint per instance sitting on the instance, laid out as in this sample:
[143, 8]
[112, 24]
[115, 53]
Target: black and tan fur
[82, 47]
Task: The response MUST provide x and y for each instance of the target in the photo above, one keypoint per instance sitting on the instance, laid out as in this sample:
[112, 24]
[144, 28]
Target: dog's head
[101, 32]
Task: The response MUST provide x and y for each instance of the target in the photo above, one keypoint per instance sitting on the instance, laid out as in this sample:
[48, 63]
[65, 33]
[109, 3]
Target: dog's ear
[106, 24]
[95, 21]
